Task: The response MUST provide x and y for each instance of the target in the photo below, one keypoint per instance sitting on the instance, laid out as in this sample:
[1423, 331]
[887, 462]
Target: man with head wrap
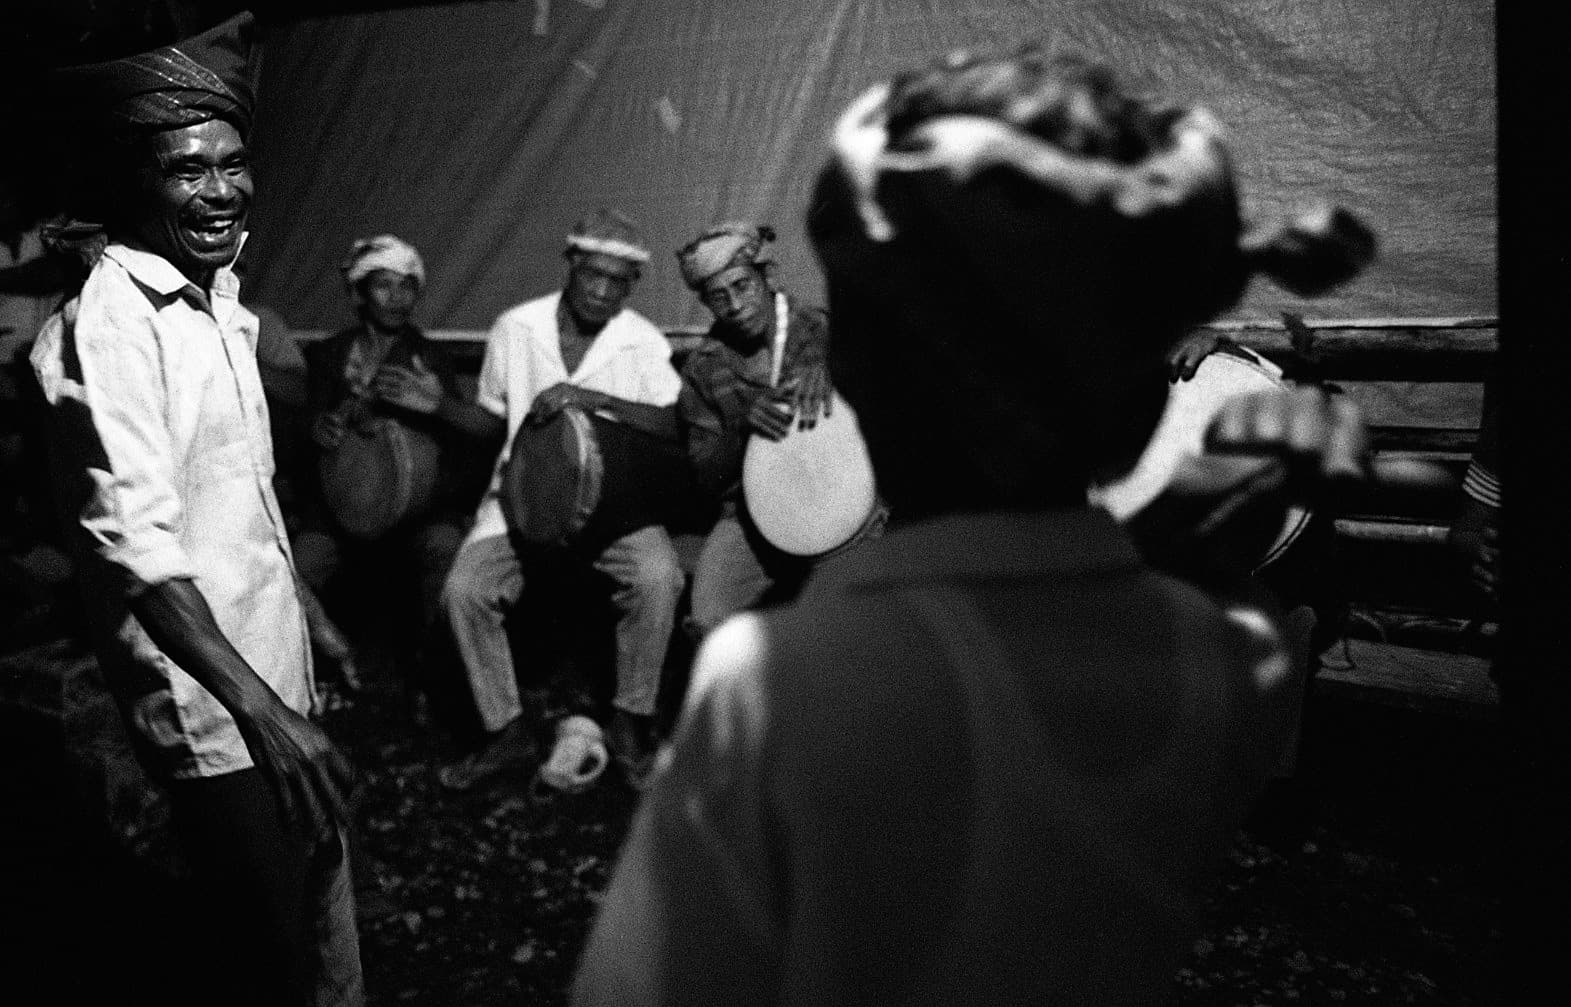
[163, 469]
[761, 368]
[990, 757]
[384, 370]
[578, 348]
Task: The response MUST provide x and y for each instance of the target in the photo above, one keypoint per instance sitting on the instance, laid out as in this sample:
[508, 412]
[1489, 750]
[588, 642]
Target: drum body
[1191, 406]
[381, 475]
[812, 493]
[581, 480]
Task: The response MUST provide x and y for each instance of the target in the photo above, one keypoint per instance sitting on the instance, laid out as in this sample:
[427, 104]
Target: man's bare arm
[658, 421]
[309, 775]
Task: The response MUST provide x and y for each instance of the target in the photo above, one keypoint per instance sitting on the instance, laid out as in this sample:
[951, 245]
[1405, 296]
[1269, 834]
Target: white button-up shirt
[163, 469]
[630, 358]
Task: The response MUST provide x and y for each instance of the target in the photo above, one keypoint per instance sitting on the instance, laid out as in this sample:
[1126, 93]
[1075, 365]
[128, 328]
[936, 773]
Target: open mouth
[211, 233]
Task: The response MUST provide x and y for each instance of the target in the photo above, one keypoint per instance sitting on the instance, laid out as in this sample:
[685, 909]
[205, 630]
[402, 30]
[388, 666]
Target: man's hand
[329, 429]
[561, 395]
[415, 388]
[310, 777]
[811, 393]
[771, 415]
[1265, 451]
[1321, 437]
[1185, 356]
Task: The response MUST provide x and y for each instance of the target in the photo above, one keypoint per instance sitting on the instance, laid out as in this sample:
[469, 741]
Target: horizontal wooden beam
[1437, 440]
[1394, 352]
[1407, 533]
[1346, 349]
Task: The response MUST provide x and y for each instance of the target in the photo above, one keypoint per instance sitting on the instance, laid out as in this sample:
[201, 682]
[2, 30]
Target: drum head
[379, 477]
[812, 490]
[552, 482]
[1191, 405]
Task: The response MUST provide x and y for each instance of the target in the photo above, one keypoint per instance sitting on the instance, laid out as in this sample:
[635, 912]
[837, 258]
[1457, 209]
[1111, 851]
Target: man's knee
[469, 589]
[658, 576]
[709, 606]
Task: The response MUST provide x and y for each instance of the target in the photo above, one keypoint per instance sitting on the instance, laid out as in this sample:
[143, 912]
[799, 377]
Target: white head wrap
[384, 251]
[608, 232]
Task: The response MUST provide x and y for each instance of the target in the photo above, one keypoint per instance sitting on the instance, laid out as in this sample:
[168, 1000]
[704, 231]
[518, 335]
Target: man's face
[196, 191]
[739, 299]
[387, 299]
[598, 285]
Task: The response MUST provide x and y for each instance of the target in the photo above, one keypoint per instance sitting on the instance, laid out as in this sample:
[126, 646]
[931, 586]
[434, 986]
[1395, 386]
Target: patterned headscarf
[609, 232]
[384, 251]
[204, 77]
[722, 246]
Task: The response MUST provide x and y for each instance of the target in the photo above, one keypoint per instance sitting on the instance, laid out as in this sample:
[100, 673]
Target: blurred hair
[1029, 320]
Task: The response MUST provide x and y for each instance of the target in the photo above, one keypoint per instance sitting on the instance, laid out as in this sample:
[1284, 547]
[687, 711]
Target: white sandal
[578, 757]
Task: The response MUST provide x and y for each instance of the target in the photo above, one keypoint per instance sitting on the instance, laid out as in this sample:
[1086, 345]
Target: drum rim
[399, 438]
[1297, 517]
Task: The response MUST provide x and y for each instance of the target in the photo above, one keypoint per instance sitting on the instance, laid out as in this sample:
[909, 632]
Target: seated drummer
[387, 363]
[577, 347]
[728, 397]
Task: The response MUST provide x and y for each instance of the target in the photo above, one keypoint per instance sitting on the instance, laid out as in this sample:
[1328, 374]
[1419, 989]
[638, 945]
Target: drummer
[729, 395]
[403, 376]
[577, 347]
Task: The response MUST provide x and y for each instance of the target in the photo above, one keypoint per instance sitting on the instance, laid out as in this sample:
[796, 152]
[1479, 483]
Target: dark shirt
[987, 759]
[719, 387]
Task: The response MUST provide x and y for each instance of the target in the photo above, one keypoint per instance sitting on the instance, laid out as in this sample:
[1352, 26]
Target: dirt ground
[1368, 879]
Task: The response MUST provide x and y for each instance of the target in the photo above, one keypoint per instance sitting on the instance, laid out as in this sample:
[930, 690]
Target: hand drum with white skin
[1191, 405]
[812, 492]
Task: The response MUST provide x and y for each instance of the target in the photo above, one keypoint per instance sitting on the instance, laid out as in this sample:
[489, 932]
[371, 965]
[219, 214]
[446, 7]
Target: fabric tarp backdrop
[480, 132]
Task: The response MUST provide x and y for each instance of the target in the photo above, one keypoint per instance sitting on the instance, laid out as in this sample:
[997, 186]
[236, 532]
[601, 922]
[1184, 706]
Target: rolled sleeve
[116, 429]
[662, 385]
[713, 449]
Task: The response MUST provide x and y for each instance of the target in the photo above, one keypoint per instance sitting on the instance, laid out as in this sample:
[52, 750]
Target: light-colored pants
[728, 578]
[487, 580]
[736, 568]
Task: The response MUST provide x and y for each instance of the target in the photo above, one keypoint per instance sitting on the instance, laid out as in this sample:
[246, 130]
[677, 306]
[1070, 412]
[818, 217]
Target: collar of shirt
[159, 275]
[616, 335]
[753, 368]
[991, 546]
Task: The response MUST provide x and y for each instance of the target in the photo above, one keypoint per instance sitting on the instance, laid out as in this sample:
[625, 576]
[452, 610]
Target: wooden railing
[1361, 355]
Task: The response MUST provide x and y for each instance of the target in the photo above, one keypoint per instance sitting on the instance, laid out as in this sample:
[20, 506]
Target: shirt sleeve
[661, 383]
[115, 430]
[713, 450]
[688, 918]
[491, 390]
[440, 361]
[1482, 481]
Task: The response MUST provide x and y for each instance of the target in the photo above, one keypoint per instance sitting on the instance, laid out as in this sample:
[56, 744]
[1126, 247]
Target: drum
[1191, 405]
[812, 493]
[583, 480]
[381, 475]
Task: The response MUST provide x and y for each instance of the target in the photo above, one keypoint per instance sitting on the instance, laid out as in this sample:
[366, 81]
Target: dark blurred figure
[993, 756]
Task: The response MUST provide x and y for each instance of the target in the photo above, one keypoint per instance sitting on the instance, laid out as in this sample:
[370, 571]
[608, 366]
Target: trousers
[281, 921]
[487, 580]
